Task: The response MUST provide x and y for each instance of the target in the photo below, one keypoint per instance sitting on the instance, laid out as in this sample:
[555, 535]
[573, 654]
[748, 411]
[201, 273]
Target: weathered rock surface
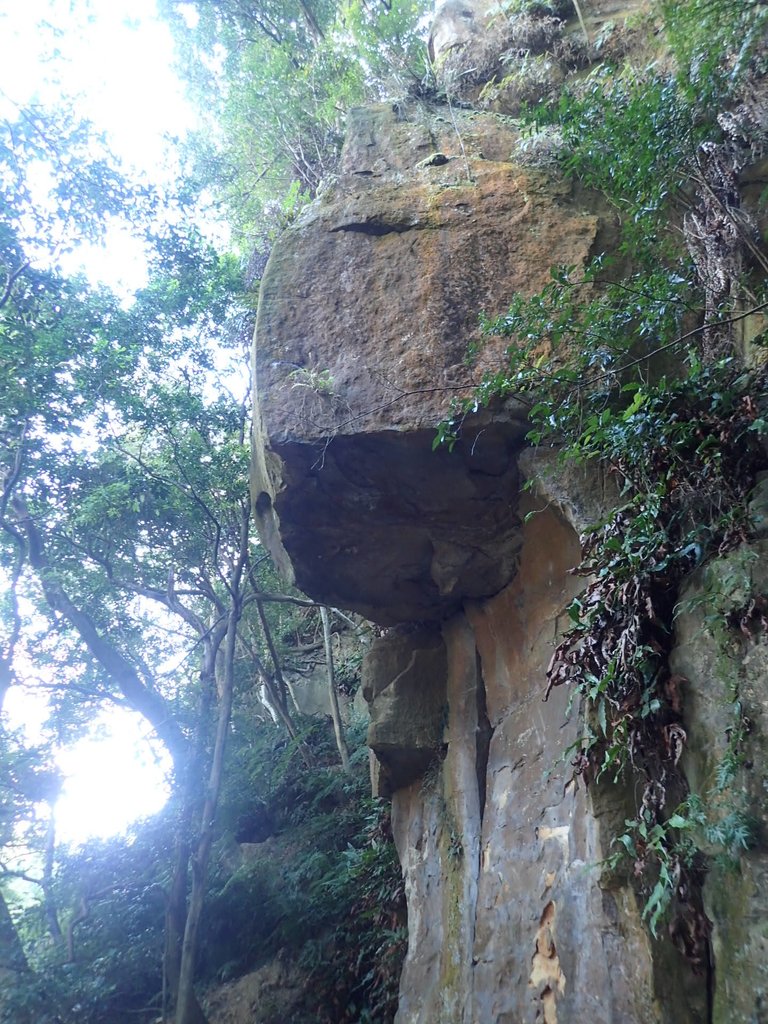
[408, 532]
[367, 308]
[270, 995]
[462, 23]
[511, 918]
[458, 24]
[404, 684]
[722, 652]
[506, 58]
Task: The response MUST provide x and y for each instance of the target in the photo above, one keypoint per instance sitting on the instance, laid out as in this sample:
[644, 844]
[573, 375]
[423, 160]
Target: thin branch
[21, 875]
[663, 348]
[188, 491]
[583, 24]
[338, 728]
[443, 388]
[276, 667]
[11, 476]
[267, 598]
[11, 279]
[146, 701]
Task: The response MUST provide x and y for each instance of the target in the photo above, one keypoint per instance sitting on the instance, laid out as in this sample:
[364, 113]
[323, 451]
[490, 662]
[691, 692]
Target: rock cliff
[367, 308]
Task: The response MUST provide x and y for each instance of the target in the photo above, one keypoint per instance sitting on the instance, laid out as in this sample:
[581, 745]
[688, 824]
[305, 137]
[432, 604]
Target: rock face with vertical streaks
[511, 917]
[368, 307]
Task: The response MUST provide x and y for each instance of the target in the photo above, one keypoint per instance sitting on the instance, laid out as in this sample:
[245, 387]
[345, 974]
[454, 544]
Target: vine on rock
[683, 437]
[687, 457]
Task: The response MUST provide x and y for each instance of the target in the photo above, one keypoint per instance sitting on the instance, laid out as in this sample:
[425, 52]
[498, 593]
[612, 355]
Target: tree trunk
[338, 728]
[225, 686]
[147, 702]
[12, 956]
[175, 922]
[51, 914]
[186, 1003]
[191, 798]
[16, 977]
[313, 26]
[278, 690]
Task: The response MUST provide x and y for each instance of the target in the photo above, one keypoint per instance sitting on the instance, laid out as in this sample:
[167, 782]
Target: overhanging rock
[367, 308]
[380, 523]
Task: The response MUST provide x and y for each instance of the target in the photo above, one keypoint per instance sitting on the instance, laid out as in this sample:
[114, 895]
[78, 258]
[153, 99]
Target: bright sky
[113, 777]
[114, 57]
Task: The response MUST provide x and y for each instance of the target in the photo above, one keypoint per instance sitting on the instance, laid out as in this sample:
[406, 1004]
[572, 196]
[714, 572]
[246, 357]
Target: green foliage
[124, 506]
[111, 900]
[320, 881]
[327, 886]
[648, 840]
[59, 185]
[715, 42]
[319, 381]
[632, 136]
[289, 82]
[669, 849]
[611, 364]
[545, 8]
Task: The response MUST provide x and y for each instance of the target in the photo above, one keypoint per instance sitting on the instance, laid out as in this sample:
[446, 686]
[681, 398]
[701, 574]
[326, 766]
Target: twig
[580, 16]
[11, 279]
[461, 141]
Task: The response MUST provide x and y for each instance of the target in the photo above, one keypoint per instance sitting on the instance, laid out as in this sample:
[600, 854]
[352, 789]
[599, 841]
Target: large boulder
[368, 307]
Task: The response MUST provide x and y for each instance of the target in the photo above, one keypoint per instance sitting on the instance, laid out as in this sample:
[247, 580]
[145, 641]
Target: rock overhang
[367, 308]
[382, 524]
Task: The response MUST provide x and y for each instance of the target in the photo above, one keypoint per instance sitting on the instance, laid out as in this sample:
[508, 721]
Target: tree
[111, 496]
[125, 520]
[275, 91]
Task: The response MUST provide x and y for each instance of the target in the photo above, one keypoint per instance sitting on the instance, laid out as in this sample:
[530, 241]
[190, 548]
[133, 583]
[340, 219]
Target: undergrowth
[322, 884]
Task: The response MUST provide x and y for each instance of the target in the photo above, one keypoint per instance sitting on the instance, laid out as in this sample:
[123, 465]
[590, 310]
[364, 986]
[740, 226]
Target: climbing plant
[634, 364]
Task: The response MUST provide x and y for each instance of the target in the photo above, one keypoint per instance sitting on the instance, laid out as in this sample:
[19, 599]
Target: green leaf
[678, 821]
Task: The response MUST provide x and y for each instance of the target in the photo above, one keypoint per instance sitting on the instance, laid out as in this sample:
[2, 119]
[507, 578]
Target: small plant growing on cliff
[545, 147]
[318, 381]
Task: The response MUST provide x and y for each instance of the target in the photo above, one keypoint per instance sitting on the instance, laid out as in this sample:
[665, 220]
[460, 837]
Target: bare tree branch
[141, 698]
[10, 280]
[338, 728]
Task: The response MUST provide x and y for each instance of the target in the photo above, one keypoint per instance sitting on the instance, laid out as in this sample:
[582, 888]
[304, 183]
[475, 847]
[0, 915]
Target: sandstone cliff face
[511, 920]
[726, 703]
[367, 307]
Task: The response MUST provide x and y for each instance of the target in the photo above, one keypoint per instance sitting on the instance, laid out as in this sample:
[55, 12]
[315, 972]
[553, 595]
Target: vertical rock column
[512, 919]
[721, 659]
[460, 846]
[437, 822]
[544, 949]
